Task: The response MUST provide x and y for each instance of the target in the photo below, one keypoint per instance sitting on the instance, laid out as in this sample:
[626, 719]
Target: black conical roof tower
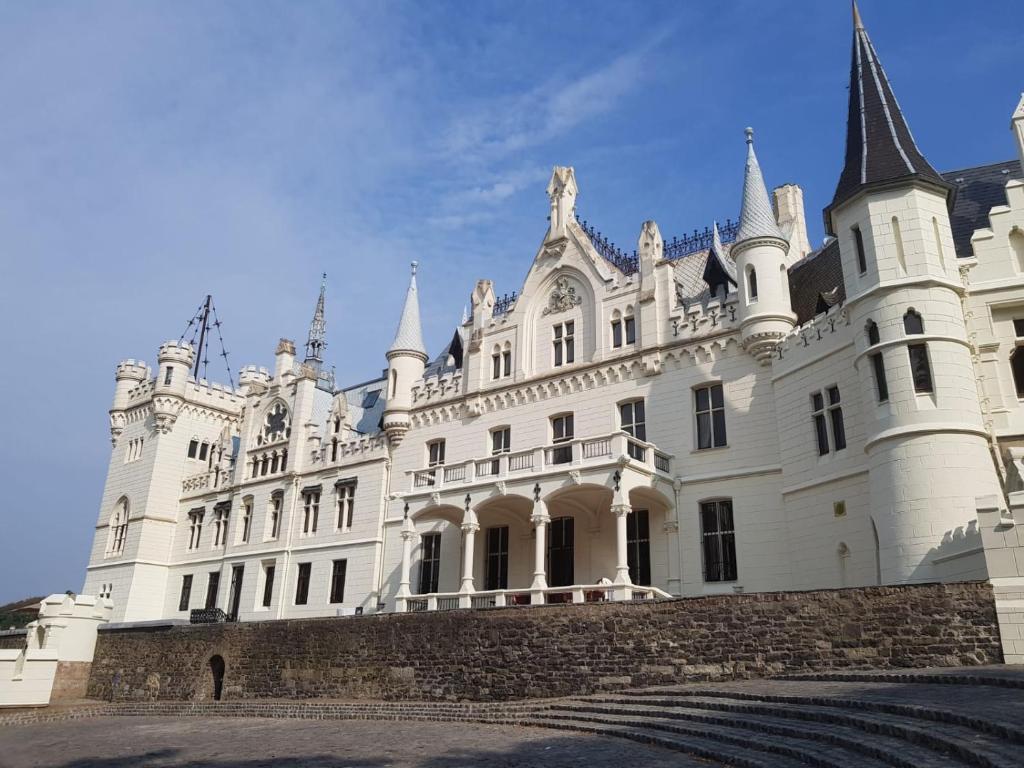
[879, 147]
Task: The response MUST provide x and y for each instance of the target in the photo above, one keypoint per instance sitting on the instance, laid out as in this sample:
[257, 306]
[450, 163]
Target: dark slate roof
[978, 190]
[817, 281]
[879, 147]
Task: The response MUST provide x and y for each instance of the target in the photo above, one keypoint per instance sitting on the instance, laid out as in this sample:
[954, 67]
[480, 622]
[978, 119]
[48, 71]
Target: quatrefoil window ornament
[276, 426]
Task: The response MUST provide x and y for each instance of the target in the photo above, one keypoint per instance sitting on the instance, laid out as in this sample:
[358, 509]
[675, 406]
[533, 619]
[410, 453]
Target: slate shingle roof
[815, 281]
[978, 190]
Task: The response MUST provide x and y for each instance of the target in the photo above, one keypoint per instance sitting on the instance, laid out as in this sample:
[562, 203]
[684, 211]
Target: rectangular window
[565, 343]
[435, 453]
[506, 362]
[632, 422]
[195, 527]
[346, 503]
[246, 521]
[616, 333]
[212, 586]
[501, 440]
[638, 546]
[835, 418]
[1018, 327]
[497, 558]
[276, 503]
[820, 426]
[167, 375]
[562, 432]
[709, 405]
[496, 365]
[430, 562]
[338, 581]
[268, 585]
[302, 584]
[193, 448]
[235, 593]
[630, 325]
[719, 540]
[186, 592]
[878, 367]
[862, 259]
[310, 511]
[203, 448]
[829, 429]
[919, 367]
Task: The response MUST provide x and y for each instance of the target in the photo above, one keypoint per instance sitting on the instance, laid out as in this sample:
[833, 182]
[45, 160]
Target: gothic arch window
[920, 366]
[751, 285]
[623, 327]
[118, 527]
[276, 425]
[913, 323]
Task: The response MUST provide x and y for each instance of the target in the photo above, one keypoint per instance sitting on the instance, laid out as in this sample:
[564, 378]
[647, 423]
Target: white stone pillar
[621, 558]
[540, 520]
[408, 534]
[469, 529]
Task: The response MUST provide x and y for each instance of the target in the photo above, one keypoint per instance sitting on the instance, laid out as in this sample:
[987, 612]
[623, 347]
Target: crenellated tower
[760, 252]
[407, 359]
[129, 375]
[174, 368]
[926, 443]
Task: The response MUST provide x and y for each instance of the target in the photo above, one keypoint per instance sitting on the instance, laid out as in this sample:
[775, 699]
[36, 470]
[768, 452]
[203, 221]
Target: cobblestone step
[878, 750]
[917, 678]
[699, 745]
[967, 745]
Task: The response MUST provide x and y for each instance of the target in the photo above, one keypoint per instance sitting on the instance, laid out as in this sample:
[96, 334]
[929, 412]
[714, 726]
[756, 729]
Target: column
[621, 558]
[540, 520]
[408, 534]
[469, 529]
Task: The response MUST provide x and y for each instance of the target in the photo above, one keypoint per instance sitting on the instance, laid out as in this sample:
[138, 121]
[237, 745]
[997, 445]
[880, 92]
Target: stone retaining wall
[519, 652]
[13, 638]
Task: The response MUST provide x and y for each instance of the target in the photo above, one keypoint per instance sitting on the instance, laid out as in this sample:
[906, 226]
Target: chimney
[284, 358]
[789, 212]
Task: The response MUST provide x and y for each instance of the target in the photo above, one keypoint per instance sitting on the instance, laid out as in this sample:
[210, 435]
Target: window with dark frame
[506, 362]
[497, 558]
[302, 584]
[203, 448]
[276, 503]
[212, 586]
[920, 369]
[186, 592]
[629, 323]
[346, 503]
[752, 284]
[827, 413]
[268, 585]
[718, 540]
[435, 453]
[877, 363]
[338, 581]
[193, 448]
[310, 511]
[562, 432]
[167, 375]
[632, 421]
[638, 546]
[709, 410]
[496, 365]
[430, 562]
[246, 520]
[616, 333]
[862, 259]
[565, 343]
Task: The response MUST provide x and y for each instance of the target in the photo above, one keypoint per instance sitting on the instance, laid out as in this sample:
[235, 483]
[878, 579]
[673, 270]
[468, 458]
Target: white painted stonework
[898, 504]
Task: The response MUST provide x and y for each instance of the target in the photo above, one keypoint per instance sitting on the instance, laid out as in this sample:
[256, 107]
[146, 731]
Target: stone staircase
[921, 719]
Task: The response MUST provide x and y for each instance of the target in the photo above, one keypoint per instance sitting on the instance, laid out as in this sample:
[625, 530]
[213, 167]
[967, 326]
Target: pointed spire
[879, 146]
[756, 216]
[316, 342]
[409, 337]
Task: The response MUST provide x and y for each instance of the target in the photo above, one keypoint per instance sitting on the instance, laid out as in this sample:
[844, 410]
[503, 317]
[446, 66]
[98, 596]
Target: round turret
[175, 359]
[127, 376]
[253, 379]
[407, 359]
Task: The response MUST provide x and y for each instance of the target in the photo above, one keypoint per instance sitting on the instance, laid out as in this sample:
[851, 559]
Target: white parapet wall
[1002, 536]
[58, 651]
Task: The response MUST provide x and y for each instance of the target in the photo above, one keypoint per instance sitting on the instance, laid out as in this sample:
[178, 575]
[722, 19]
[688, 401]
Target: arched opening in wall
[394, 383]
[897, 235]
[878, 553]
[217, 673]
[784, 280]
[938, 243]
[1017, 246]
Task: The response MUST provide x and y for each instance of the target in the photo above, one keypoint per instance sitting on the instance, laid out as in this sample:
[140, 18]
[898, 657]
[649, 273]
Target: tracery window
[276, 425]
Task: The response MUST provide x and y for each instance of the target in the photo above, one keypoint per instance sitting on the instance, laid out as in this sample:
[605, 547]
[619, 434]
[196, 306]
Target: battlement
[134, 370]
[813, 338]
[701, 319]
[176, 351]
[214, 394]
[78, 606]
[441, 386]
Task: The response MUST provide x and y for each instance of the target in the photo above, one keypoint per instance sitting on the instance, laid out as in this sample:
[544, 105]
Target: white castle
[726, 412]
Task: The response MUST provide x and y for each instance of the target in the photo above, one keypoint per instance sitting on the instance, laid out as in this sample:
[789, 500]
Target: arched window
[276, 425]
[496, 362]
[920, 368]
[858, 242]
[1017, 246]
[751, 284]
[877, 363]
[118, 527]
[872, 331]
[506, 359]
[901, 257]
[913, 323]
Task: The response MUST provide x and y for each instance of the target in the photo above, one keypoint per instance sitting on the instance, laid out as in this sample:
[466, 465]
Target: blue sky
[153, 153]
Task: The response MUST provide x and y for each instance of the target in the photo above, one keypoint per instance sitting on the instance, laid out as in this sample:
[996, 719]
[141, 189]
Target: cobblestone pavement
[259, 743]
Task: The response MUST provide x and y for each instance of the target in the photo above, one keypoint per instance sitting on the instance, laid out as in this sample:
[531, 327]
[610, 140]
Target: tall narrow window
[212, 585]
[203, 448]
[828, 421]
[193, 448]
[565, 342]
[920, 369]
[877, 363]
[334, 449]
[938, 243]
[629, 325]
[338, 581]
[496, 364]
[709, 408]
[835, 418]
[901, 257]
[118, 527]
[751, 284]
[862, 259]
[168, 374]
[497, 558]
[430, 562]
[186, 592]
[220, 524]
[195, 531]
[1017, 358]
[616, 332]
[310, 511]
[435, 453]
[638, 546]
[302, 584]
[820, 425]
[268, 585]
[246, 520]
[506, 361]
[274, 523]
[633, 422]
[562, 432]
[346, 490]
[719, 540]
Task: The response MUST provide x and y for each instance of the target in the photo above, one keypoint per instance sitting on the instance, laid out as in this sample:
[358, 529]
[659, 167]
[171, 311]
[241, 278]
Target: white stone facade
[886, 491]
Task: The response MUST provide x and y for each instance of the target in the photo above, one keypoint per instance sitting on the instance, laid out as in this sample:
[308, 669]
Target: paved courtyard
[260, 743]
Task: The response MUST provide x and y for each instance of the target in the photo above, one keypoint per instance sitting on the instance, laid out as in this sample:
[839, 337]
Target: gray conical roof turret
[756, 217]
[409, 337]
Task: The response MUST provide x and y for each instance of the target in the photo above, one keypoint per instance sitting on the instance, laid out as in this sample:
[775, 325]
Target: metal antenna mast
[201, 326]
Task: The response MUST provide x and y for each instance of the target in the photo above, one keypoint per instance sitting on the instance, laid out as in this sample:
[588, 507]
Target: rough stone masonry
[518, 652]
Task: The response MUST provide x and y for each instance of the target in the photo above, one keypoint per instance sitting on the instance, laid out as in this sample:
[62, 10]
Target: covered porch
[573, 537]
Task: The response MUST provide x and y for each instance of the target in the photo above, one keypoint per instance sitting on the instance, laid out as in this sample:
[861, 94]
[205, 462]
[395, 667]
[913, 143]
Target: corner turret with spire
[407, 358]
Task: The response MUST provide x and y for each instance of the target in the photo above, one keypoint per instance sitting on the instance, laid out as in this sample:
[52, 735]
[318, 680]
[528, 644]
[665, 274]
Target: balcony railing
[570, 454]
[497, 598]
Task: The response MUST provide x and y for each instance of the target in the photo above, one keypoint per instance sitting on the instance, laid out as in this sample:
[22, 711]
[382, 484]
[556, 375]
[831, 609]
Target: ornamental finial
[414, 265]
[750, 134]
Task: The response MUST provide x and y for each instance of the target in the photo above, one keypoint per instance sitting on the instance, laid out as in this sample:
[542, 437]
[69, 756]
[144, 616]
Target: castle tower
[407, 358]
[760, 250]
[927, 447]
[175, 365]
[129, 375]
[316, 342]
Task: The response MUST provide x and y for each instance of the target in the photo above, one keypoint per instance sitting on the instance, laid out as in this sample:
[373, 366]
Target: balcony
[577, 454]
[498, 598]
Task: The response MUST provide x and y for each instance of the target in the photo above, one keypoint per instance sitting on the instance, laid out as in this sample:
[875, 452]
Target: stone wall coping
[13, 632]
[143, 626]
